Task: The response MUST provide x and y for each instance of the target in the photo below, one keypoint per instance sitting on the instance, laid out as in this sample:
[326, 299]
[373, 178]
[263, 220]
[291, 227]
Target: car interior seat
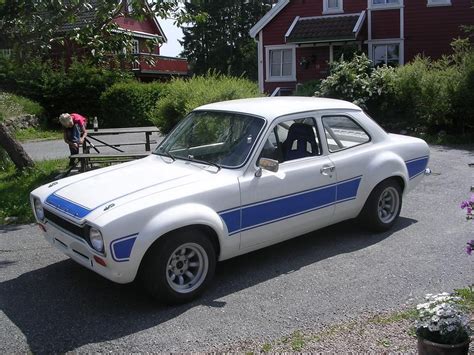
[306, 146]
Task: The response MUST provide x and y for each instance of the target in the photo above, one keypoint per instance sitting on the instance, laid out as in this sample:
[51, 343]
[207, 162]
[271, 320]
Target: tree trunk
[15, 151]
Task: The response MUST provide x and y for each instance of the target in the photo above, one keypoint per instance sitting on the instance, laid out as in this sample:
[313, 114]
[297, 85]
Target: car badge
[109, 207]
[52, 184]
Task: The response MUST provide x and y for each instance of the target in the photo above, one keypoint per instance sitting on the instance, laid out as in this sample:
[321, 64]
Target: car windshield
[219, 138]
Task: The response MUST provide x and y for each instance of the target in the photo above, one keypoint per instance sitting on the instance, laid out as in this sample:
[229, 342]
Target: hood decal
[72, 209]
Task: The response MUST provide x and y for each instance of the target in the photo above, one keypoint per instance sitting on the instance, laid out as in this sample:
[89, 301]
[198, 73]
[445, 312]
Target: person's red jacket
[77, 118]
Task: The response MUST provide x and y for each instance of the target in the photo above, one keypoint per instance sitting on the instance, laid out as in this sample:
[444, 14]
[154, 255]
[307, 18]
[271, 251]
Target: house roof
[86, 17]
[325, 28]
[268, 17]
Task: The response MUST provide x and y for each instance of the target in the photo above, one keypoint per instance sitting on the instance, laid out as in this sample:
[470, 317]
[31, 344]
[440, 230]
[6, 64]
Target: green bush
[181, 96]
[423, 95]
[129, 104]
[308, 88]
[357, 81]
[13, 105]
[76, 89]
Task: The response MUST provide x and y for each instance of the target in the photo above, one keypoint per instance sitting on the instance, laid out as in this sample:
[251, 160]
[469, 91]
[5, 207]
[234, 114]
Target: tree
[85, 27]
[15, 151]
[35, 28]
[217, 38]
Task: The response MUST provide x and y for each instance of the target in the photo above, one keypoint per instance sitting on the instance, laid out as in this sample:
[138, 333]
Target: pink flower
[470, 247]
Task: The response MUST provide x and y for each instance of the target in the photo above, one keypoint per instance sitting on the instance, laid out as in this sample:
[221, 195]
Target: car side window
[292, 139]
[343, 132]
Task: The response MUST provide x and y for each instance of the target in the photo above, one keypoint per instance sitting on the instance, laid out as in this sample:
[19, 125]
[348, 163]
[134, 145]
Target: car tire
[382, 208]
[178, 268]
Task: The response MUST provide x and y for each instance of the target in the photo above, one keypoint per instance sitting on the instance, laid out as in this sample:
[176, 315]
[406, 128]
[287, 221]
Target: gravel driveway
[338, 274]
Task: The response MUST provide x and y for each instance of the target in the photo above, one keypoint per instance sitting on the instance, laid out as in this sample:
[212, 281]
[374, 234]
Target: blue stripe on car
[71, 208]
[121, 248]
[283, 207]
[416, 166]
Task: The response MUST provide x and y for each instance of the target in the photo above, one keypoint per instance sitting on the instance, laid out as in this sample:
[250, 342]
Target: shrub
[129, 104]
[13, 105]
[58, 90]
[308, 88]
[181, 96]
[357, 81]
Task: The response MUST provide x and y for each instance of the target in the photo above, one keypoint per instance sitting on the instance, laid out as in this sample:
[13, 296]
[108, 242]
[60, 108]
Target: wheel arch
[185, 217]
[387, 165]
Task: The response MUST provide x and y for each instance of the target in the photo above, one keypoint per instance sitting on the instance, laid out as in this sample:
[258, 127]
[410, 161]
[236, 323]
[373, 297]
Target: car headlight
[96, 239]
[38, 209]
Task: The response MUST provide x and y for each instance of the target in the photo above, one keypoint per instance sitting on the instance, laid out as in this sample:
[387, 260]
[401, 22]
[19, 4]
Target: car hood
[150, 175]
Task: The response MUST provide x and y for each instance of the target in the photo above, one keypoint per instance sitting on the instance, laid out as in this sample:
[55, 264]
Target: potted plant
[443, 325]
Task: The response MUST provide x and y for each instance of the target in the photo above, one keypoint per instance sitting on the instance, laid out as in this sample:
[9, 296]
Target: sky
[172, 48]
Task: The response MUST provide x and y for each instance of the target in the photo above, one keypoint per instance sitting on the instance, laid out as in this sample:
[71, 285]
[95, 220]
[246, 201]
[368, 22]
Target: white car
[232, 177]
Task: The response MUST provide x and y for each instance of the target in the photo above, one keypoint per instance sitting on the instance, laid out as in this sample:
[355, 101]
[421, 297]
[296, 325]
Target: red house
[297, 39]
[162, 68]
[149, 28]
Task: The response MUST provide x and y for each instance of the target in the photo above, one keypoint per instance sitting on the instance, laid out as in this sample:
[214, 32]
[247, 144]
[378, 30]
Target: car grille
[74, 229]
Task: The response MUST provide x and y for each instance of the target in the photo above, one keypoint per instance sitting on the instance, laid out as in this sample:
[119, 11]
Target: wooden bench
[88, 160]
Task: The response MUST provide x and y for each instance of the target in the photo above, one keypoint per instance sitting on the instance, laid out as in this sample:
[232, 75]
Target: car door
[296, 199]
[349, 149]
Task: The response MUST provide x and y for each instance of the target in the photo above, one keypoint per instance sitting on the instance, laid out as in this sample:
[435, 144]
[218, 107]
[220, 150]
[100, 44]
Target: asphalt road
[57, 149]
[50, 304]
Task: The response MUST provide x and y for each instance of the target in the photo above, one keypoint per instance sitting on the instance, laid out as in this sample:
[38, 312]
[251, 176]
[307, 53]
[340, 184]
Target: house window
[5, 53]
[332, 6]
[439, 3]
[281, 63]
[135, 46]
[129, 7]
[386, 3]
[388, 53]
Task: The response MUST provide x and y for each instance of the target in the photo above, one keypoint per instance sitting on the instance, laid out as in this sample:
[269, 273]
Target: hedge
[425, 95]
[128, 104]
[76, 89]
[181, 96]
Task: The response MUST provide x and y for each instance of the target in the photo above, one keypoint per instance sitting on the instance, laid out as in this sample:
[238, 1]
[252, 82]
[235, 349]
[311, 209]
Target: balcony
[154, 65]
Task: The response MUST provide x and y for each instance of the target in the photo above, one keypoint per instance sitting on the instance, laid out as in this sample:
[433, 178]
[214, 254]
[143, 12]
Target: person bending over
[74, 131]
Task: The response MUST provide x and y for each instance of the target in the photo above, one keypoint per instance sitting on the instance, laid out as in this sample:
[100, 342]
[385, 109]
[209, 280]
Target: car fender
[384, 165]
[177, 217]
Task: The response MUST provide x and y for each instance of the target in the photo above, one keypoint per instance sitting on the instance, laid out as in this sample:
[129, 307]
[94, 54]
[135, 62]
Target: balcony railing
[157, 64]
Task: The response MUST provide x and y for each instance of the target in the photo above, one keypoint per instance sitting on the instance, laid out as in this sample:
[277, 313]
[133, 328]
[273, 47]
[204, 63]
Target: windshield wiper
[191, 158]
[165, 153]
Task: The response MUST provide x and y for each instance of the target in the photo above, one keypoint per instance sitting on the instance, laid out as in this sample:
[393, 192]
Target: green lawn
[31, 133]
[15, 188]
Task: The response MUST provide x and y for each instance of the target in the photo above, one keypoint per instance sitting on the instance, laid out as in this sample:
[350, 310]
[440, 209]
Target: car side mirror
[267, 164]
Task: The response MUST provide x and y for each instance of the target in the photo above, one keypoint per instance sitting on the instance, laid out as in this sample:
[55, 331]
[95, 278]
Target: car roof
[273, 107]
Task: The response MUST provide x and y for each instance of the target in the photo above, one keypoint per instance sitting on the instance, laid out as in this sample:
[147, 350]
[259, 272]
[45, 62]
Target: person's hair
[65, 119]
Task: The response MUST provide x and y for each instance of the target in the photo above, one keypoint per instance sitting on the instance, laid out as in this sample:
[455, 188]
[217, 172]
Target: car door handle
[327, 170]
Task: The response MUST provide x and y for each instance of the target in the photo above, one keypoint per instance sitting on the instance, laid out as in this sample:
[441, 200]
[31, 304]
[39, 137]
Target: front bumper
[80, 251]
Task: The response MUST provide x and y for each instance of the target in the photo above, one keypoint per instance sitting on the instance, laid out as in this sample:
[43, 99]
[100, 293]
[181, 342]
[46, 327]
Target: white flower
[433, 328]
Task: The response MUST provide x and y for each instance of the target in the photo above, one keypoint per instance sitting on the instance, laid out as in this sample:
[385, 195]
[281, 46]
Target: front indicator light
[39, 209]
[96, 240]
[100, 261]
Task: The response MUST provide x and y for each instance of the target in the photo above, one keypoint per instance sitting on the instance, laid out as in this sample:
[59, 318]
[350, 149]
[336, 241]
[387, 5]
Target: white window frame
[385, 6]
[291, 77]
[135, 46]
[435, 3]
[401, 50]
[129, 7]
[328, 10]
